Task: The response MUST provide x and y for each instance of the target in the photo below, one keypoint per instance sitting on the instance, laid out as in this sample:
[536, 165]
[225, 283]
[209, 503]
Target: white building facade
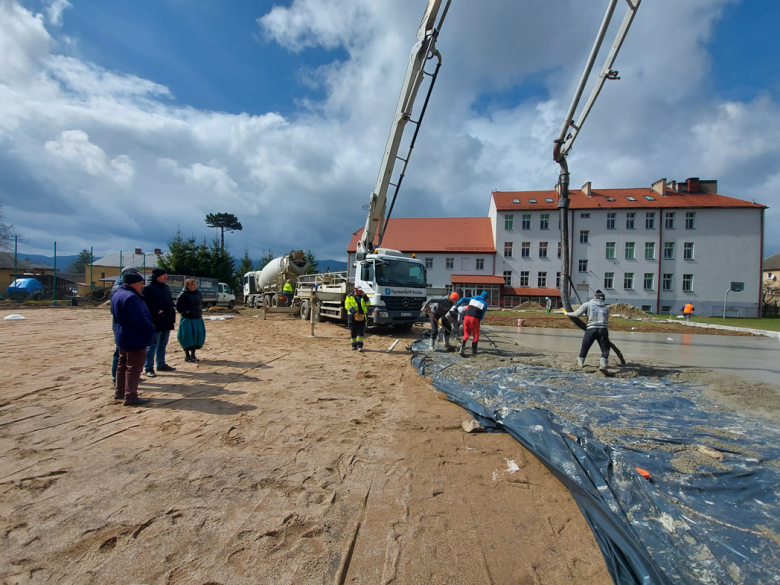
[656, 248]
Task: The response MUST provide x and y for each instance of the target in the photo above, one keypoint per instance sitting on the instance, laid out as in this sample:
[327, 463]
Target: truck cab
[225, 296]
[395, 285]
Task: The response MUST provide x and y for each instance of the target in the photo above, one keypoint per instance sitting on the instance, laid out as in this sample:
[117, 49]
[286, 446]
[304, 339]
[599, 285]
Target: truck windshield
[399, 273]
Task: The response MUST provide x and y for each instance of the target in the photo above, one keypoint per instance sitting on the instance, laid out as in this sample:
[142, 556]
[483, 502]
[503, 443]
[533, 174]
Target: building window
[649, 250]
[102, 275]
[525, 249]
[630, 220]
[507, 249]
[687, 282]
[524, 276]
[650, 220]
[450, 263]
[667, 284]
[628, 280]
[668, 250]
[648, 281]
[480, 264]
[448, 289]
[542, 249]
[584, 236]
[585, 215]
[666, 309]
[559, 249]
[541, 280]
[630, 254]
[610, 250]
[609, 280]
[507, 277]
[428, 263]
[557, 280]
[509, 221]
[526, 221]
[669, 223]
[544, 221]
[688, 251]
[690, 220]
[583, 266]
[611, 221]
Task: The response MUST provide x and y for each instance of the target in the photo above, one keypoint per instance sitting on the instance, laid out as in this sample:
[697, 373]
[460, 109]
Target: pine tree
[83, 260]
[267, 256]
[224, 221]
[313, 262]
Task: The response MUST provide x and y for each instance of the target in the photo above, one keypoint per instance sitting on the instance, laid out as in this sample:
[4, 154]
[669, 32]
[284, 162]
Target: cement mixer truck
[265, 287]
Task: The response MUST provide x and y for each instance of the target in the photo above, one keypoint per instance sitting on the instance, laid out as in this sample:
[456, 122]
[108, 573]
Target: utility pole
[54, 292]
[16, 247]
[91, 261]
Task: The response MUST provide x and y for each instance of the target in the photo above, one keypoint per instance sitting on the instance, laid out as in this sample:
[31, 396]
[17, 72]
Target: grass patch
[765, 324]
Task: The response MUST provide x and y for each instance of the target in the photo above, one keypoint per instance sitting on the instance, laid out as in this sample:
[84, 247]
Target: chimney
[586, 189]
[693, 185]
[708, 186]
[138, 251]
[157, 251]
[660, 187]
[672, 185]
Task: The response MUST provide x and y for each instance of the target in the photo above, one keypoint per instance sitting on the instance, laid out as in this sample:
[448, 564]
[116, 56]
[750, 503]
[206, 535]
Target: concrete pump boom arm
[424, 49]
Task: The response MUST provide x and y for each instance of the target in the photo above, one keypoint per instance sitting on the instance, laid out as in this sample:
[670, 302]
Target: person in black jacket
[192, 330]
[158, 299]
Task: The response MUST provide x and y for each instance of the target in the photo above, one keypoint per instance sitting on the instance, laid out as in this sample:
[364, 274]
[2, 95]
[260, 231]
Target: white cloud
[74, 149]
[55, 9]
[137, 160]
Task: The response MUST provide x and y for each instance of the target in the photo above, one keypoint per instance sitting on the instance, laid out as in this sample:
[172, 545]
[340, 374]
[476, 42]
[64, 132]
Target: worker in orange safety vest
[688, 311]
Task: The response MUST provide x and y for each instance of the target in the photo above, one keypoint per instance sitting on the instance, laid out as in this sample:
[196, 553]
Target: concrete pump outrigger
[569, 133]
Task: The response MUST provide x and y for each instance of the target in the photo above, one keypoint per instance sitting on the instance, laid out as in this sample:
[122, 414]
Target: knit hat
[158, 272]
[132, 277]
[599, 296]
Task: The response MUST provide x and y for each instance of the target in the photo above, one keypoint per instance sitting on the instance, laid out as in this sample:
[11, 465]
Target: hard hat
[454, 297]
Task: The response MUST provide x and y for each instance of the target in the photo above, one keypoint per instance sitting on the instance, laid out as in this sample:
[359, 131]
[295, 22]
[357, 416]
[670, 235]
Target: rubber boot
[603, 364]
[462, 350]
[433, 344]
[474, 348]
[447, 344]
[581, 362]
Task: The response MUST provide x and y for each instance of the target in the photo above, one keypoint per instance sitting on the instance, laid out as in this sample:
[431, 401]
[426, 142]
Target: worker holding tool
[597, 330]
[688, 311]
[356, 305]
[288, 292]
[476, 307]
[437, 308]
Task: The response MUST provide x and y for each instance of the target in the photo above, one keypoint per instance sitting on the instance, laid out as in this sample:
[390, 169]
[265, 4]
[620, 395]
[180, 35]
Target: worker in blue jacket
[476, 307]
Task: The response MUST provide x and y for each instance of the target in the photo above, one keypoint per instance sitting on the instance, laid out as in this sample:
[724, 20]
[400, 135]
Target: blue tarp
[24, 285]
[710, 512]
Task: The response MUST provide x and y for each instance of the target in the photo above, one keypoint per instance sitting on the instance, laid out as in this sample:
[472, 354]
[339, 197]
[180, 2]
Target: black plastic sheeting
[698, 519]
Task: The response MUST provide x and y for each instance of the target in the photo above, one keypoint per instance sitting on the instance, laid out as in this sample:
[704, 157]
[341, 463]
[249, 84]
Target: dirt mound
[529, 306]
[626, 310]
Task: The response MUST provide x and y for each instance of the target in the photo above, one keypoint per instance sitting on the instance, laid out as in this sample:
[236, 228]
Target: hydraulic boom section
[423, 50]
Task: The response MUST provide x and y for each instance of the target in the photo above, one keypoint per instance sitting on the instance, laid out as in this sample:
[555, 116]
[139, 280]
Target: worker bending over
[688, 311]
[439, 307]
[598, 328]
[476, 307]
[357, 307]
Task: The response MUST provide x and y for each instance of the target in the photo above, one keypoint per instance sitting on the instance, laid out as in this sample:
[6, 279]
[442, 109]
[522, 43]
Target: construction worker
[547, 304]
[288, 292]
[688, 311]
[438, 309]
[476, 307]
[357, 307]
[597, 330]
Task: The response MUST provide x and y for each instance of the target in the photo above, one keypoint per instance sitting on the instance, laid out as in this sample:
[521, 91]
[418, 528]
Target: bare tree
[7, 232]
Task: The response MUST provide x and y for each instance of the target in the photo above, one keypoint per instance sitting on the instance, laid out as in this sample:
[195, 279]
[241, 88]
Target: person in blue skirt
[192, 330]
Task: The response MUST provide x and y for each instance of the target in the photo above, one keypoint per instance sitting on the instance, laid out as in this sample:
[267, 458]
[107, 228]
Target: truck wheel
[305, 311]
[274, 301]
[231, 304]
[404, 326]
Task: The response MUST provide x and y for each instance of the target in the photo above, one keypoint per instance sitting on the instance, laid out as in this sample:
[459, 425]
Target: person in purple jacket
[133, 333]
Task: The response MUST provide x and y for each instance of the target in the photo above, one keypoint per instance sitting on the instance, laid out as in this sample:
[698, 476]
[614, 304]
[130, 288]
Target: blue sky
[122, 121]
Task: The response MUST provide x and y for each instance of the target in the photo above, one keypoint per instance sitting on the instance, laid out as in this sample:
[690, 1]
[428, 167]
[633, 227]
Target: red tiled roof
[505, 199]
[436, 234]
[509, 291]
[476, 279]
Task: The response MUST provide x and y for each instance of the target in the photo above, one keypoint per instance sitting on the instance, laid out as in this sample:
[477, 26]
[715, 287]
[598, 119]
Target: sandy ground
[280, 458]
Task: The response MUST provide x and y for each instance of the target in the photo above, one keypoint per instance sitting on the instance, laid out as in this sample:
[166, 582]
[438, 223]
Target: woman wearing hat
[192, 330]
[157, 297]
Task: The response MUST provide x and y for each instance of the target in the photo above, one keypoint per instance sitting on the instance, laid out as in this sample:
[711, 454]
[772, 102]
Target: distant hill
[62, 261]
[332, 265]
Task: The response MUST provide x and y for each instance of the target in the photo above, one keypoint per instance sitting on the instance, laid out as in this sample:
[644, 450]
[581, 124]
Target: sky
[122, 122]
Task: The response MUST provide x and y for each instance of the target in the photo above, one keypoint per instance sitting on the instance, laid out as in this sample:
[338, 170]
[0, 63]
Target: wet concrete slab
[751, 358]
